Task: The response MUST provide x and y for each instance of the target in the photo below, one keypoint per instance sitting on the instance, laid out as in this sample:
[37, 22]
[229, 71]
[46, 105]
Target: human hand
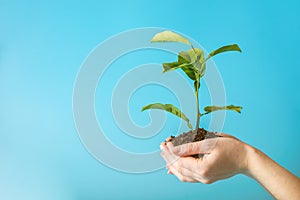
[222, 158]
[225, 156]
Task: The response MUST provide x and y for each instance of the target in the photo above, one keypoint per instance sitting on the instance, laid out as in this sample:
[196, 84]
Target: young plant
[193, 64]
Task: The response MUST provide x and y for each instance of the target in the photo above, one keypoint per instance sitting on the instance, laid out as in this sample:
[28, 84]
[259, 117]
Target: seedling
[193, 64]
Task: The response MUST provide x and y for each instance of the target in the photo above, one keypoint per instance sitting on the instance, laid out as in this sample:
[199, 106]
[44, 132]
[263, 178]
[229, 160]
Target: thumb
[189, 149]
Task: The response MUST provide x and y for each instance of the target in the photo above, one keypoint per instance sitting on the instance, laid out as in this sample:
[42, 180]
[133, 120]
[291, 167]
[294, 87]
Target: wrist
[252, 156]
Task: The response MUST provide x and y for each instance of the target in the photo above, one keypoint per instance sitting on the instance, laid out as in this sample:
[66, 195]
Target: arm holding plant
[228, 157]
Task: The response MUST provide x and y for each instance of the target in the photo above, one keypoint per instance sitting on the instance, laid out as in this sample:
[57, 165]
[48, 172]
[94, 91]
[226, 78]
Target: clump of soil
[192, 136]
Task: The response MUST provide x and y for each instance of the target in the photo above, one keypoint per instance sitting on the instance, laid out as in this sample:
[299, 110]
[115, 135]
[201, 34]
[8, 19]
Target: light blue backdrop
[42, 46]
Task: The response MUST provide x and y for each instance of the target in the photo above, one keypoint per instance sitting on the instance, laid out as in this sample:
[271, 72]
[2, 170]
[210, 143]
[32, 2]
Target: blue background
[43, 44]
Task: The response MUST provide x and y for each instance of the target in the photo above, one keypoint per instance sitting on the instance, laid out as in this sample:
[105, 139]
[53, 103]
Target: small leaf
[195, 57]
[189, 70]
[191, 62]
[170, 66]
[169, 108]
[233, 47]
[186, 67]
[199, 60]
[209, 109]
[184, 57]
[169, 36]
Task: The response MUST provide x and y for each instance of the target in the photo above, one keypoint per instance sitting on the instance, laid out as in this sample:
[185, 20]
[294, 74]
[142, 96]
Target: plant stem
[197, 107]
[197, 94]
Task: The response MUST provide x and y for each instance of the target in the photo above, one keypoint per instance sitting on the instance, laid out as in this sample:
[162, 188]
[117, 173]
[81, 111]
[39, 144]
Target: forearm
[277, 180]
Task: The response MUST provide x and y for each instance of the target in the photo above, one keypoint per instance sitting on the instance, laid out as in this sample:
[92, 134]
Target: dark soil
[192, 136]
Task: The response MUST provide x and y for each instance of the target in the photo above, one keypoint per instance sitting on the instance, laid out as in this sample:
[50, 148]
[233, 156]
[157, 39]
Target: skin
[224, 157]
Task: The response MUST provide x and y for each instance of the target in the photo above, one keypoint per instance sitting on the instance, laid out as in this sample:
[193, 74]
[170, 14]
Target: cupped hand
[220, 158]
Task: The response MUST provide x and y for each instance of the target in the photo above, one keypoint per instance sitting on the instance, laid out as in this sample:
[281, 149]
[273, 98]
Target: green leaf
[172, 66]
[169, 36]
[191, 62]
[169, 108]
[195, 57]
[184, 57]
[191, 56]
[233, 47]
[186, 67]
[209, 109]
[190, 71]
[198, 60]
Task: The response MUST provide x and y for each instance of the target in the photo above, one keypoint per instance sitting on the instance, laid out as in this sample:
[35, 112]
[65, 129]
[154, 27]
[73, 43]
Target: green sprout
[193, 64]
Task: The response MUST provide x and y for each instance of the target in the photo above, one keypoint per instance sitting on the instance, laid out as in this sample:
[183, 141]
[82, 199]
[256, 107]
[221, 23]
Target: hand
[222, 158]
[225, 156]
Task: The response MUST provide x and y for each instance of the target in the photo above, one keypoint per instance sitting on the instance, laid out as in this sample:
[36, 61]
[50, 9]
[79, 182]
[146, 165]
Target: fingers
[174, 166]
[207, 169]
[162, 145]
[177, 161]
[200, 147]
[188, 169]
[182, 174]
[183, 168]
[167, 155]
